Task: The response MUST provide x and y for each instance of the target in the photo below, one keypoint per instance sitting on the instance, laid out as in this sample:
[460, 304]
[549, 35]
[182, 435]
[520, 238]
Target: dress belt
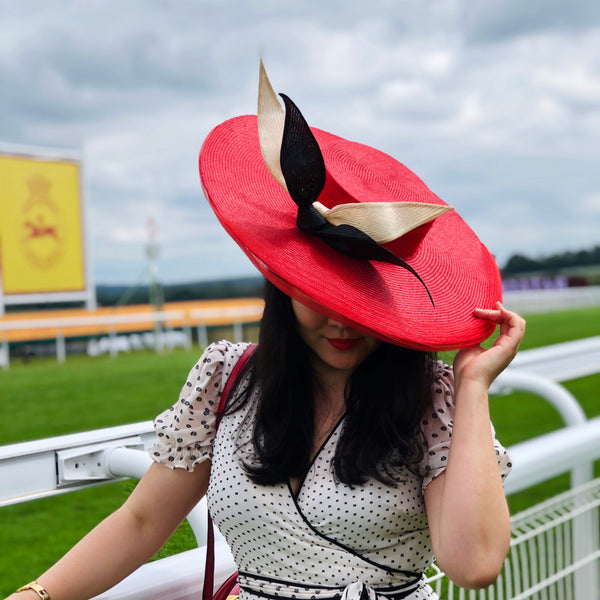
[267, 587]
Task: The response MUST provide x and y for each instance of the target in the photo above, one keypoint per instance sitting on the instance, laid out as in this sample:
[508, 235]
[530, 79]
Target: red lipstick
[343, 344]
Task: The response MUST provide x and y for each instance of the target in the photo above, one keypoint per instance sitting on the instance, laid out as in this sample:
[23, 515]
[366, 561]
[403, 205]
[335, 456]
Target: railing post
[238, 332]
[112, 342]
[585, 541]
[187, 332]
[169, 341]
[61, 349]
[4, 353]
[158, 333]
[202, 335]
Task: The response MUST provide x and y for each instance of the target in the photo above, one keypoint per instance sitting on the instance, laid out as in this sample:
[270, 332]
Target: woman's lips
[343, 344]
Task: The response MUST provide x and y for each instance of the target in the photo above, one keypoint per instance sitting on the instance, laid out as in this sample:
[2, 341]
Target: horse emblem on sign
[41, 224]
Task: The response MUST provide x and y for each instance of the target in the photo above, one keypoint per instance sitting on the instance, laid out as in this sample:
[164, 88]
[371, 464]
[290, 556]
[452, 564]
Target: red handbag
[230, 588]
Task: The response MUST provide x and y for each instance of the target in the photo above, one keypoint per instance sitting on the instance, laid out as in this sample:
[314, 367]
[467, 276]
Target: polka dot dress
[314, 544]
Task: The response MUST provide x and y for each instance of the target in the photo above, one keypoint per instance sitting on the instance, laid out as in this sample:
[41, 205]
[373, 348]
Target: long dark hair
[386, 397]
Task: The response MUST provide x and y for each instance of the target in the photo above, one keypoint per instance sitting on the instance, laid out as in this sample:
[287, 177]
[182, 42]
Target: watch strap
[40, 590]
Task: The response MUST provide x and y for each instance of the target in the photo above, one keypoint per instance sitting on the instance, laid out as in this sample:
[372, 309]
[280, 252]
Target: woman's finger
[512, 327]
[500, 315]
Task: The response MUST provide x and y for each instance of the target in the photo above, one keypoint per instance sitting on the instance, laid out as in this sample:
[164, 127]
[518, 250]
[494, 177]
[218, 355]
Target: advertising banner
[41, 229]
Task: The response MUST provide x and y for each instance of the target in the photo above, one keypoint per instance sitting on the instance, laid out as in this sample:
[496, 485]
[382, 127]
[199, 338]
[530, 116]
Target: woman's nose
[337, 324]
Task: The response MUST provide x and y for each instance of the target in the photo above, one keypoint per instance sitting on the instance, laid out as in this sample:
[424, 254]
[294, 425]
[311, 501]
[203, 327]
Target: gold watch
[40, 590]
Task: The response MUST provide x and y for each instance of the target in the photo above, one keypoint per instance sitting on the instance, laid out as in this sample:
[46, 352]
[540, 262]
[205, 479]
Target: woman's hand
[477, 363]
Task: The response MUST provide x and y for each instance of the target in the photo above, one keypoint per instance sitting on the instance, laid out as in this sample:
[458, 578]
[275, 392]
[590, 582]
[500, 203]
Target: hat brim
[377, 298]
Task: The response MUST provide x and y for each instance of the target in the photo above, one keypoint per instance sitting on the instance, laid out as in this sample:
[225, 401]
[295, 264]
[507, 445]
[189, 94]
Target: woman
[347, 456]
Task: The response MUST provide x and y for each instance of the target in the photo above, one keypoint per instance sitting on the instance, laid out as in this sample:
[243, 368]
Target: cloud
[496, 105]
[574, 85]
[489, 22]
[590, 204]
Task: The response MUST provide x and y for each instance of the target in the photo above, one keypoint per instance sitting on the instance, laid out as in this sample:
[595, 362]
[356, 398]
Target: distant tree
[519, 263]
[202, 290]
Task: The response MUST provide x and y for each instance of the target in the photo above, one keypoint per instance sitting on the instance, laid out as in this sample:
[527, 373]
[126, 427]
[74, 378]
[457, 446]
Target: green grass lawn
[43, 399]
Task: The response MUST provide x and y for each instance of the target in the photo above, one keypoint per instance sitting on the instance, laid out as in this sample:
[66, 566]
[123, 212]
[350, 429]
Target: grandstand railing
[160, 323]
[555, 548]
[163, 322]
[549, 300]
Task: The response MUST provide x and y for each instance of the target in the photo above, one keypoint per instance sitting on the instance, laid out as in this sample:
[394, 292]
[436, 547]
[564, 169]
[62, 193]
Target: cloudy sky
[494, 103]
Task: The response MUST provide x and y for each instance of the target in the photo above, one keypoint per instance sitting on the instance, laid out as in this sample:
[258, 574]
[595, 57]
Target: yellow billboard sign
[41, 232]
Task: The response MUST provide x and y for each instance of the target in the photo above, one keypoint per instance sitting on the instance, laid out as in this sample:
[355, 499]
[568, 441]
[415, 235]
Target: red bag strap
[209, 568]
[231, 380]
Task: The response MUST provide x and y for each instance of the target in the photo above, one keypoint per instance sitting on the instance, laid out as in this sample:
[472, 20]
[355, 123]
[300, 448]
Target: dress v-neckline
[296, 493]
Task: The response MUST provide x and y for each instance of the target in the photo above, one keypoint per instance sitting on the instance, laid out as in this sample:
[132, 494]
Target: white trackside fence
[161, 336]
[555, 546]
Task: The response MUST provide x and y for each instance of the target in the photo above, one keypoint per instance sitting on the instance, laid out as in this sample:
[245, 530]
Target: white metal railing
[95, 457]
[157, 318]
[532, 463]
[554, 552]
[28, 470]
[524, 373]
[560, 362]
[116, 342]
[549, 300]
[524, 301]
[200, 316]
[540, 369]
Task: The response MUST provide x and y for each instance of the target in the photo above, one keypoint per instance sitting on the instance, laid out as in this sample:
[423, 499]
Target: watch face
[37, 588]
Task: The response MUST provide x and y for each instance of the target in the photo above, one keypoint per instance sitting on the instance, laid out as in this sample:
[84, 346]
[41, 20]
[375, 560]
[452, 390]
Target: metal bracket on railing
[125, 458]
[90, 463]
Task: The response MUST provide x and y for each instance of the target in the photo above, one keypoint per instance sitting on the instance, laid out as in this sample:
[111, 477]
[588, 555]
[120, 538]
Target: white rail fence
[551, 300]
[554, 553]
[555, 549]
[161, 337]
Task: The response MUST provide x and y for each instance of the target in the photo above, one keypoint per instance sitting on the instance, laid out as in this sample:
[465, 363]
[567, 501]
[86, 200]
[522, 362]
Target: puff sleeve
[436, 428]
[186, 431]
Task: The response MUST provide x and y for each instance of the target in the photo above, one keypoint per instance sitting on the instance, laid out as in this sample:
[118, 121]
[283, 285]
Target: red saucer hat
[347, 229]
